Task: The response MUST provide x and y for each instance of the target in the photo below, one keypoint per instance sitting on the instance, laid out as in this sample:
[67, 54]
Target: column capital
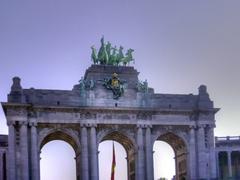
[211, 126]
[229, 152]
[144, 125]
[201, 126]
[92, 125]
[148, 126]
[33, 124]
[140, 126]
[11, 123]
[23, 123]
[82, 125]
[192, 127]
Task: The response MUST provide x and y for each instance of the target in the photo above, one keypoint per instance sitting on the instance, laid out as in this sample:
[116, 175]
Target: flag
[113, 164]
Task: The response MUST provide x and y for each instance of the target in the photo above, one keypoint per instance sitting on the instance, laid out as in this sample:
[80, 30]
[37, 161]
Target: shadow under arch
[179, 146]
[128, 145]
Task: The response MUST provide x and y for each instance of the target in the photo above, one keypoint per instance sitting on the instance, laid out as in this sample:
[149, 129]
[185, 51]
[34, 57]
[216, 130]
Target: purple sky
[178, 46]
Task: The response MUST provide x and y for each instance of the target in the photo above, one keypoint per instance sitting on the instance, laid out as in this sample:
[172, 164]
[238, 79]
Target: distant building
[3, 156]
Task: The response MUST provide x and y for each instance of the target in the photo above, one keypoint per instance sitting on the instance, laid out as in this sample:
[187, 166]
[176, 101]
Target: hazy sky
[178, 46]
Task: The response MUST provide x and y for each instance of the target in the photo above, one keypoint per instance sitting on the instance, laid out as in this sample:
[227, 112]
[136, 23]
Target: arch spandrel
[67, 135]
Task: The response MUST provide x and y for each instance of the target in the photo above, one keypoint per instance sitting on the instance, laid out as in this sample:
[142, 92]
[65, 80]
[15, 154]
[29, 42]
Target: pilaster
[202, 159]
[140, 154]
[229, 164]
[192, 153]
[84, 153]
[24, 150]
[93, 151]
[217, 163]
[212, 155]
[149, 153]
[1, 165]
[35, 171]
[11, 170]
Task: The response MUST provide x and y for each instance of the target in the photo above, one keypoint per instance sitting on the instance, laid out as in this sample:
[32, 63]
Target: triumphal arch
[110, 103]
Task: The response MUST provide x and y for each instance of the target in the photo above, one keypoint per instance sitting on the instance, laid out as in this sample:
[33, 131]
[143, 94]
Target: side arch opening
[177, 152]
[57, 161]
[59, 156]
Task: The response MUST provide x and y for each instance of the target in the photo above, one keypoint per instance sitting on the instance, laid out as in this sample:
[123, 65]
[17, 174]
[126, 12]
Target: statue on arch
[128, 58]
[94, 55]
[101, 51]
[120, 55]
[108, 55]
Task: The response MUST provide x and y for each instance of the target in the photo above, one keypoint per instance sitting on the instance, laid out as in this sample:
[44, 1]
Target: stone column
[11, 151]
[1, 165]
[202, 161]
[84, 153]
[192, 154]
[38, 165]
[140, 154]
[35, 171]
[212, 155]
[24, 151]
[94, 158]
[229, 164]
[217, 163]
[149, 154]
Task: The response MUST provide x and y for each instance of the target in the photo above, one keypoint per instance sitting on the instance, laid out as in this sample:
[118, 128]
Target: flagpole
[113, 163]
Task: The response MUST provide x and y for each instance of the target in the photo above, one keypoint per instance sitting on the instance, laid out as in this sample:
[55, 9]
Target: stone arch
[67, 135]
[127, 141]
[178, 134]
[179, 143]
[121, 136]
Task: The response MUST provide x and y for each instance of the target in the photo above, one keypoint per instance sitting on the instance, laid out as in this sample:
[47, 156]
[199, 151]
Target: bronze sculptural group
[108, 55]
[114, 84]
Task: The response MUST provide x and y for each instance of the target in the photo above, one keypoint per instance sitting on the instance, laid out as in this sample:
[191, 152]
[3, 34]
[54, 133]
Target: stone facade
[84, 117]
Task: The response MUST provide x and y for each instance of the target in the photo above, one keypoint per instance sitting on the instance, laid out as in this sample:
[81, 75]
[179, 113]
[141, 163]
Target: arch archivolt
[66, 134]
[122, 135]
[176, 134]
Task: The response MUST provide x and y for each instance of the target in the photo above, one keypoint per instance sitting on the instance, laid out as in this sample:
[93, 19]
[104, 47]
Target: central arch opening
[124, 155]
[57, 161]
[105, 160]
